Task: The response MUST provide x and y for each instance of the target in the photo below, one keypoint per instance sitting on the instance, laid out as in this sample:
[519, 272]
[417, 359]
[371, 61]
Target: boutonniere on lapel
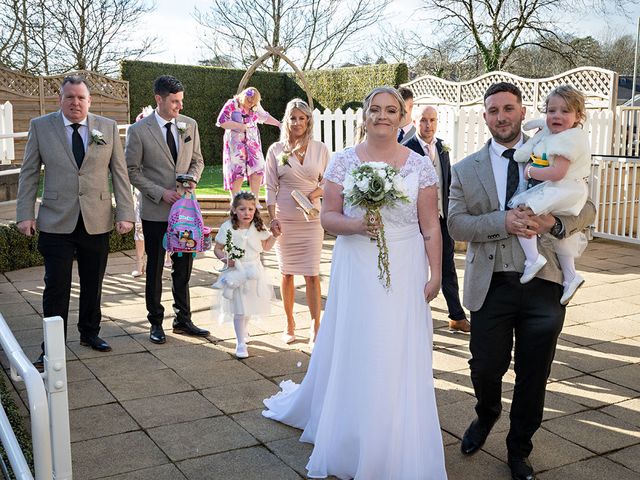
[97, 137]
[182, 127]
[445, 148]
[283, 159]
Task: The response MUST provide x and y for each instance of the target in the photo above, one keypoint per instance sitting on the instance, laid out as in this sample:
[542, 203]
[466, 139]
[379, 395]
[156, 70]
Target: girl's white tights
[240, 323]
[568, 266]
[530, 249]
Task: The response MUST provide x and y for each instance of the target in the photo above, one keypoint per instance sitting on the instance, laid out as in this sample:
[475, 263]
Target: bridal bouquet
[373, 185]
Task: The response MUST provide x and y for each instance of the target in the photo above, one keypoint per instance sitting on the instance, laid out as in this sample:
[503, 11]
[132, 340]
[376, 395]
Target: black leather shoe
[521, 468]
[96, 343]
[475, 436]
[188, 328]
[157, 334]
[39, 363]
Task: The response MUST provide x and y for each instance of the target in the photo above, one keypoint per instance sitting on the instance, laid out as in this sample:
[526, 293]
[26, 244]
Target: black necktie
[513, 176]
[171, 142]
[77, 145]
[400, 135]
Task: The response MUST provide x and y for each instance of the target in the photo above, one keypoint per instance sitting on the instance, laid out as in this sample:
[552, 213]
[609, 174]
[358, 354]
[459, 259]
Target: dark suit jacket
[445, 165]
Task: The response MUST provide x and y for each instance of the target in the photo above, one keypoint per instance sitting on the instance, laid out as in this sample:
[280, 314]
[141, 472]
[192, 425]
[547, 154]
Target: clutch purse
[304, 204]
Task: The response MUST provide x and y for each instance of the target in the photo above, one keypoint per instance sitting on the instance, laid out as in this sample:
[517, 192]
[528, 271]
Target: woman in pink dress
[242, 151]
[297, 162]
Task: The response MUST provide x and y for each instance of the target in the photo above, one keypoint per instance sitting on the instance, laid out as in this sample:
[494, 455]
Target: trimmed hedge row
[346, 87]
[18, 251]
[208, 88]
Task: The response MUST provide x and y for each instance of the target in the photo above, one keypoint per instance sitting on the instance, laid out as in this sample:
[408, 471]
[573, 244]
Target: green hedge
[18, 251]
[208, 88]
[346, 87]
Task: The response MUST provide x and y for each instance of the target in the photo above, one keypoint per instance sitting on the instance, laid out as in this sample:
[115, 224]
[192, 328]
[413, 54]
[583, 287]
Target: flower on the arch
[97, 137]
[182, 127]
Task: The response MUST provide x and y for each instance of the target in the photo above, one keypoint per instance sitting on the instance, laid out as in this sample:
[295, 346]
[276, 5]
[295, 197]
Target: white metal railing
[48, 406]
[615, 189]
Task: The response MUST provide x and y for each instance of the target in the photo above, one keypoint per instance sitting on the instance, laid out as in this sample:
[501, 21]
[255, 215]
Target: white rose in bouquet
[348, 184]
[363, 184]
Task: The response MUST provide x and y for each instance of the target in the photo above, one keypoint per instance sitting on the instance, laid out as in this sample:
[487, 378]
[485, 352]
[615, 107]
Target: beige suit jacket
[475, 217]
[68, 191]
[151, 166]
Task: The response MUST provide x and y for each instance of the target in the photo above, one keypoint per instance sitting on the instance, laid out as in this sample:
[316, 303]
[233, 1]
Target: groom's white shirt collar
[499, 165]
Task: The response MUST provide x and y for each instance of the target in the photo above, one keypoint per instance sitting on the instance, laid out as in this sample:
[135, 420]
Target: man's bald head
[425, 118]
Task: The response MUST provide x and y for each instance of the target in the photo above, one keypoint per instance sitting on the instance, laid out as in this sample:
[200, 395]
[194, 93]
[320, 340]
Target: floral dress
[242, 151]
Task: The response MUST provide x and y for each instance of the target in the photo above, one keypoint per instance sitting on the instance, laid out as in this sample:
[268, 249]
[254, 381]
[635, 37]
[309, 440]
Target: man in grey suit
[500, 305]
[78, 151]
[159, 147]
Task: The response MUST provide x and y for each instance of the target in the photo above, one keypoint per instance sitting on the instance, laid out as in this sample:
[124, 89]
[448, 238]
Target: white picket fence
[6, 127]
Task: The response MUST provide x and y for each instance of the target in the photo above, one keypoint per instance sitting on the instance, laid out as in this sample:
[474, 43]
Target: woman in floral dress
[242, 151]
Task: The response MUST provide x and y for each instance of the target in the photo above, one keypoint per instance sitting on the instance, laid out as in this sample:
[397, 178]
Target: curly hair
[249, 197]
[573, 98]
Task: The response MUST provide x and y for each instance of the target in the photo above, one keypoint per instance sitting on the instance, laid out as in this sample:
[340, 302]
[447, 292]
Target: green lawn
[211, 182]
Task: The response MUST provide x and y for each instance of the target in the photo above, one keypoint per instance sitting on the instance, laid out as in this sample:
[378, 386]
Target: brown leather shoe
[460, 325]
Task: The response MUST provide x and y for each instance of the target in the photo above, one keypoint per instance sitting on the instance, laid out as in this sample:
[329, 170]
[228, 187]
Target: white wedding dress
[367, 402]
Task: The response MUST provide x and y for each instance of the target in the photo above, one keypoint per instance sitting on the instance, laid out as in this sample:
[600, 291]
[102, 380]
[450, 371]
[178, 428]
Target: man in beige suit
[159, 147]
[78, 151]
[501, 307]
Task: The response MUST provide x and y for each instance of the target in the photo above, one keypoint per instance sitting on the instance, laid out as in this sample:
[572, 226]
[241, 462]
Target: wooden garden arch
[270, 52]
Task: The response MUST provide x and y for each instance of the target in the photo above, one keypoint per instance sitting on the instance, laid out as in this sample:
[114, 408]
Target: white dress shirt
[435, 159]
[500, 165]
[174, 129]
[83, 131]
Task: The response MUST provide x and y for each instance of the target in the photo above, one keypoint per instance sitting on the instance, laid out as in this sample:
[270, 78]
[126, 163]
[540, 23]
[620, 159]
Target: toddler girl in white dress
[243, 284]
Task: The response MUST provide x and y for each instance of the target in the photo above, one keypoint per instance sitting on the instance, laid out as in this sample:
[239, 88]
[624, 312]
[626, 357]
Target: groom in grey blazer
[79, 151]
[159, 147]
[500, 305]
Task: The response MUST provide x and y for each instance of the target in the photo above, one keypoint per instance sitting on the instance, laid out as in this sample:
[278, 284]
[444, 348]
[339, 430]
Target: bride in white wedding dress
[367, 402]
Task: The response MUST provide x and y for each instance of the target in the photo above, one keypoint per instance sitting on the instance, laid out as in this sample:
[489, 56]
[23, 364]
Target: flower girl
[243, 283]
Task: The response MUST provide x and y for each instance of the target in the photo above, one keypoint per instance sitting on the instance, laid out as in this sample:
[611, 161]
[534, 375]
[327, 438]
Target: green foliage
[15, 419]
[346, 87]
[18, 251]
[208, 88]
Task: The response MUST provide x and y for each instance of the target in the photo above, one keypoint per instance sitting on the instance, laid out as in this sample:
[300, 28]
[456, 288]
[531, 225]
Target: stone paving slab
[163, 472]
[100, 421]
[593, 469]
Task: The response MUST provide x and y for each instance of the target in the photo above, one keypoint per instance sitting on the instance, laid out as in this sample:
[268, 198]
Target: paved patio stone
[224, 372]
[585, 359]
[150, 384]
[556, 405]
[191, 356]
[595, 431]
[479, 466]
[239, 397]
[115, 454]
[255, 463]
[100, 421]
[200, 437]
[76, 371]
[86, 393]
[272, 365]
[628, 411]
[292, 452]
[163, 472]
[124, 364]
[593, 469]
[627, 376]
[170, 409]
[119, 345]
[591, 391]
[629, 457]
[264, 429]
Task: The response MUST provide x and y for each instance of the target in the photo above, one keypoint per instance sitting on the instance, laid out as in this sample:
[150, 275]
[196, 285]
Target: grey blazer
[475, 217]
[67, 189]
[151, 166]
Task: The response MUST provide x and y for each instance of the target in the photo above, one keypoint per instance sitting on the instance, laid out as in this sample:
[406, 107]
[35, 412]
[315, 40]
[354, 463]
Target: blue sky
[179, 42]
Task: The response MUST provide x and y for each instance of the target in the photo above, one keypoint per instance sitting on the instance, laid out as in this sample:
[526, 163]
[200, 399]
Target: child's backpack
[186, 231]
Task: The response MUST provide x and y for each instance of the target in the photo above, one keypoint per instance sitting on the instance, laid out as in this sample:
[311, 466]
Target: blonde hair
[366, 105]
[574, 100]
[252, 93]
[285, 130]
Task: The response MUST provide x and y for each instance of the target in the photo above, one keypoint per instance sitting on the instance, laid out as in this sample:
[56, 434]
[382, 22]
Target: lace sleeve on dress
[337, 169]
[427, 175]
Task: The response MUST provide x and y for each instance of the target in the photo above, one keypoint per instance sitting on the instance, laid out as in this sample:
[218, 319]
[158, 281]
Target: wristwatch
[558, 229]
